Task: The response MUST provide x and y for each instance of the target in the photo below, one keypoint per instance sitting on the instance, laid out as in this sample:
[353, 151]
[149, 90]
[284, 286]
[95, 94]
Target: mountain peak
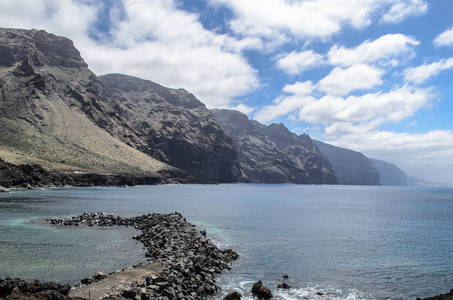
[39, 48]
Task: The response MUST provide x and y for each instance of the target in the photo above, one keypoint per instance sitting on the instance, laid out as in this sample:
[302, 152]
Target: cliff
[390, 174]
[170, 125]
[273, 154]
[351, 167]
[53, 112]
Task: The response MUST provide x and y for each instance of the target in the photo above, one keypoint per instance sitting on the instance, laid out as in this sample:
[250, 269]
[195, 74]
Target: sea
[330, 241]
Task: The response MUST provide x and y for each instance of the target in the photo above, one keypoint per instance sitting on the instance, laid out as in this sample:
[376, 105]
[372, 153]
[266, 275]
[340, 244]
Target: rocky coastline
[35, 176]
[182, 262]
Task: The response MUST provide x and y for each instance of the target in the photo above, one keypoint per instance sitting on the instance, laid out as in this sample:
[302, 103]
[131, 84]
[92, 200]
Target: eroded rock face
[273, 154]
[172, 126]
[61, 114]
[351, 167]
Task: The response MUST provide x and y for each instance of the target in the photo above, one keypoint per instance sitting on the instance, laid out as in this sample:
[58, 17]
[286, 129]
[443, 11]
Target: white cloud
[245, 109]
[62, 17]
[384, 49]
[287, 104]
[377, 108]
[403, 9]
[445, 38]
[341, 81]
[277, 19]
[297, 62]
[271, 18]
[150, 39]
[299, 88]
[422, 73]
[339, 115]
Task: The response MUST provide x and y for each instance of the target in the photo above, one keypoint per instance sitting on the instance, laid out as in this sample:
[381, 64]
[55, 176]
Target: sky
[373, 76]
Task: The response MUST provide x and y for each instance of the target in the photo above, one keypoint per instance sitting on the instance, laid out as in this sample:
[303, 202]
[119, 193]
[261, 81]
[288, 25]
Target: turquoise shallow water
[344, 242]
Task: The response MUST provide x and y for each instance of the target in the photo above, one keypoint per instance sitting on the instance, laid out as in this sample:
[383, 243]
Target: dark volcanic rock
[34, 176]
[447, 296]
[33, 290]
[351, 167]
[272, 154]
[172, 126]
[24, 176]
[261, 291]
[390, 174]
[233, 296]
[283, 286]
[189, 261]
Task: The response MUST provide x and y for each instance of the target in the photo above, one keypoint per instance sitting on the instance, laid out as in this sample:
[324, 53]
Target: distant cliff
[390, 174]
[273, 154]
[351, 167]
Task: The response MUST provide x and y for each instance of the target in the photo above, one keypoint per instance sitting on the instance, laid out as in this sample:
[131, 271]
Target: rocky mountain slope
[172, 126]
[272, 154]
[390, 174]
[52, 110]
[56, 114]
[351, 167]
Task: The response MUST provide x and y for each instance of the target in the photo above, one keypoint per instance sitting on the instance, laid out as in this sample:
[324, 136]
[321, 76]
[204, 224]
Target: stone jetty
[184, 261]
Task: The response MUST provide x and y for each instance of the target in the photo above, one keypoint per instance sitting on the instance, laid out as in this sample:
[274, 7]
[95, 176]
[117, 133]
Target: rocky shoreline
[185, 262]
[35, 176]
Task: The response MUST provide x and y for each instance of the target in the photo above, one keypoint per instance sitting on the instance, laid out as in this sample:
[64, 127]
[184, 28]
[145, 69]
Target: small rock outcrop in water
[233, 296]
[283, 286]
[189, 261]
[261, 291]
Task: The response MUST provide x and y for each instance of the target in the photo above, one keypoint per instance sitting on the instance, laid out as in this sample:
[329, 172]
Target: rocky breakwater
[188, 260]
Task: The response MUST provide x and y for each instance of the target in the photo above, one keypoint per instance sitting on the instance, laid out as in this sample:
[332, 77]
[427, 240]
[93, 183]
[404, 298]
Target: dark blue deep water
[333, 242]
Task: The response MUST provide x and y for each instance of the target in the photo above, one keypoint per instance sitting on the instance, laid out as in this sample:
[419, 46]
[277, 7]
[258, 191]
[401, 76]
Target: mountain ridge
[48, 111]
[56, 113]
[273, 154]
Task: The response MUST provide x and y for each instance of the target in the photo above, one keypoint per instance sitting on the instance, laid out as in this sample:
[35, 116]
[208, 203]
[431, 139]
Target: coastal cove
[333, 242]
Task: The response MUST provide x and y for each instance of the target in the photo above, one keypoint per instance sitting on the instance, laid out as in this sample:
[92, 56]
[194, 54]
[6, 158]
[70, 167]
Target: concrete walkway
[99, 290]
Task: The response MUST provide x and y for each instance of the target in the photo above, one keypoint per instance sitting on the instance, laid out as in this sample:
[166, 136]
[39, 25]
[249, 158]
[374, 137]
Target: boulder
[261, 291]
[4, 190]
[233, 296]
[283, 286]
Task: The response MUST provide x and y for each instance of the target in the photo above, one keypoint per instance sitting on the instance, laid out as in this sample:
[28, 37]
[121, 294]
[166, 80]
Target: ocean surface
[333, 242]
